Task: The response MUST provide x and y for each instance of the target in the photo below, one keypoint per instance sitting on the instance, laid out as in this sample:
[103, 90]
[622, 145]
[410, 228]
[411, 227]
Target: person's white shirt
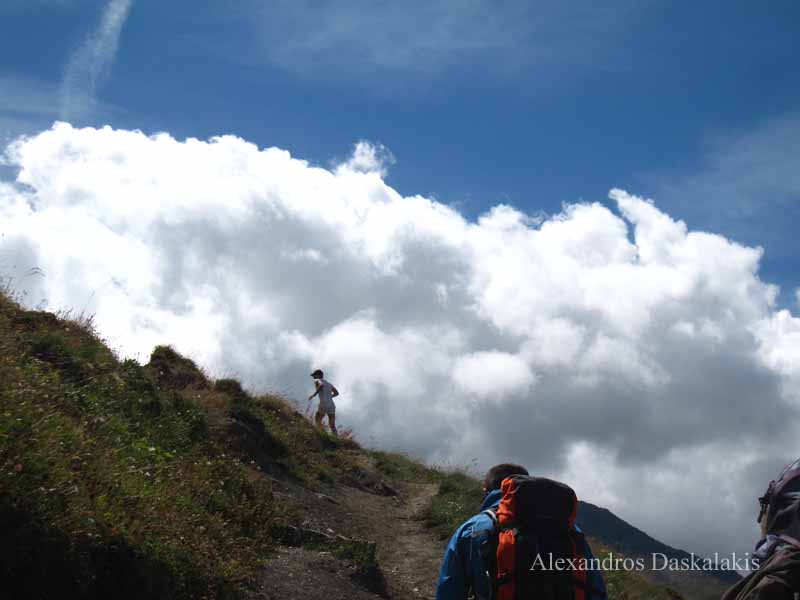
[325, 393]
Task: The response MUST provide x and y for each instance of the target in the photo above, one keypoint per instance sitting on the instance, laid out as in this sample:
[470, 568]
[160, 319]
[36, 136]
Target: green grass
[138, 481]
[630, 585]
[459, 498]
[402, 468]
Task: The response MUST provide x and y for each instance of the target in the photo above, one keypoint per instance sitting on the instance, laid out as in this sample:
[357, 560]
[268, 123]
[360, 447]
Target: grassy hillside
[129, 481]
[139, 480]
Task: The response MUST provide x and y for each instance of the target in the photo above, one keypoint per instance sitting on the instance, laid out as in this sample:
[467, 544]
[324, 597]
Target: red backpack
[536, 549]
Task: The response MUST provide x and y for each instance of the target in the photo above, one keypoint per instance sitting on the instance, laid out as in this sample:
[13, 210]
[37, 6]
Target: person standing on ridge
[327, 392]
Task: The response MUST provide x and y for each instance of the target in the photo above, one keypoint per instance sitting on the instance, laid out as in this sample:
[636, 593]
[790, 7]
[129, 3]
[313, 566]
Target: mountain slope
[129, 481]
[626, 539]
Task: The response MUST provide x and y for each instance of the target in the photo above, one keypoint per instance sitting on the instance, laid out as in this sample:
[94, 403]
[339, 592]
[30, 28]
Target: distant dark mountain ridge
[633, 542]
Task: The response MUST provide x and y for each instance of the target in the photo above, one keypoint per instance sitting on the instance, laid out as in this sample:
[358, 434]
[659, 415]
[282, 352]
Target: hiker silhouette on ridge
[327, 392]
[523, 544]
[778, 551]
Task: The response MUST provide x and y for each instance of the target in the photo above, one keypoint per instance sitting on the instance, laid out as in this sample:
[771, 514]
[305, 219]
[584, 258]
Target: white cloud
[642, 360]
[368, 158]
[90, 64]
[501, 374]
[779, 337]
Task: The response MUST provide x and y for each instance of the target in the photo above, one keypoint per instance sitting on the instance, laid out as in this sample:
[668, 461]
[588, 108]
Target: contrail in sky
[90, 64]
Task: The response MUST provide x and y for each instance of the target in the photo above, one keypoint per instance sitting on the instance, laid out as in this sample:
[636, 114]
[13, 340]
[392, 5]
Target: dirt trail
[408, 554]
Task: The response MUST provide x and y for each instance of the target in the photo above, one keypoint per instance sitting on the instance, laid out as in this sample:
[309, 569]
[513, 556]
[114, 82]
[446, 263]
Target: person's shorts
[327, 409]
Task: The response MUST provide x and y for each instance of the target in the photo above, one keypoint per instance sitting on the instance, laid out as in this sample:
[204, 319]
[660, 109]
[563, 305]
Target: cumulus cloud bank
[90, 64]
[608, 344]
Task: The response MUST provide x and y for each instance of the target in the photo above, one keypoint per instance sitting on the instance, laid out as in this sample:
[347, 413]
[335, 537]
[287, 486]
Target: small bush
[232, 388]
[51, 346]
[136, 378]
[401, 467]
[170, 370]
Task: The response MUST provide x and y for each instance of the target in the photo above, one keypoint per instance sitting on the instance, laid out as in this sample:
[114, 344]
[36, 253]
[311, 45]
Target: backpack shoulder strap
[493, 516]
[491, 562]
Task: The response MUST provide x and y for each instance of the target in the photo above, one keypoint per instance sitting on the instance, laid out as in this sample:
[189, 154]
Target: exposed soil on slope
[301, 573]
[408, 555]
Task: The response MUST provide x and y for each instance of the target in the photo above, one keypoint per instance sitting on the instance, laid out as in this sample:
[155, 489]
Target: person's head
[779, 499]
[317, 374]
[494, 476]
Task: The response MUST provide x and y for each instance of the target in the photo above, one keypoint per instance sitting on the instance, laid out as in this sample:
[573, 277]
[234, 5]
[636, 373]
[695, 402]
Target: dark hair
[317, 374]
[495, 475]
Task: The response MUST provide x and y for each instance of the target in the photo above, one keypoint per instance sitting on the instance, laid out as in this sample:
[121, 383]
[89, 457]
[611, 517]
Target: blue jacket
[466, 560]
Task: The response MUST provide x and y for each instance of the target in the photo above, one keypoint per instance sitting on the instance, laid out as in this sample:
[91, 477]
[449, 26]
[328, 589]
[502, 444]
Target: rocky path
[408, 554]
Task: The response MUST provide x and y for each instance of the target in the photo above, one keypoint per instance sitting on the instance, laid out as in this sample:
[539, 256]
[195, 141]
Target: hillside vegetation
[129, 481]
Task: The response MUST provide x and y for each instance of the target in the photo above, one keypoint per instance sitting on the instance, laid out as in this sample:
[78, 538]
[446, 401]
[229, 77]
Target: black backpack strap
[592, 591]
[491, 563]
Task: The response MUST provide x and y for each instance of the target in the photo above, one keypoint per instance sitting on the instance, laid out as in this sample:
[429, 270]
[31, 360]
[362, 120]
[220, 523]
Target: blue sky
[648, 345]
[533, 104]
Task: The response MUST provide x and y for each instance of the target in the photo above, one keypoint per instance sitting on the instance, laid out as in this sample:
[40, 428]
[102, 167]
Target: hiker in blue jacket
[466, 564]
